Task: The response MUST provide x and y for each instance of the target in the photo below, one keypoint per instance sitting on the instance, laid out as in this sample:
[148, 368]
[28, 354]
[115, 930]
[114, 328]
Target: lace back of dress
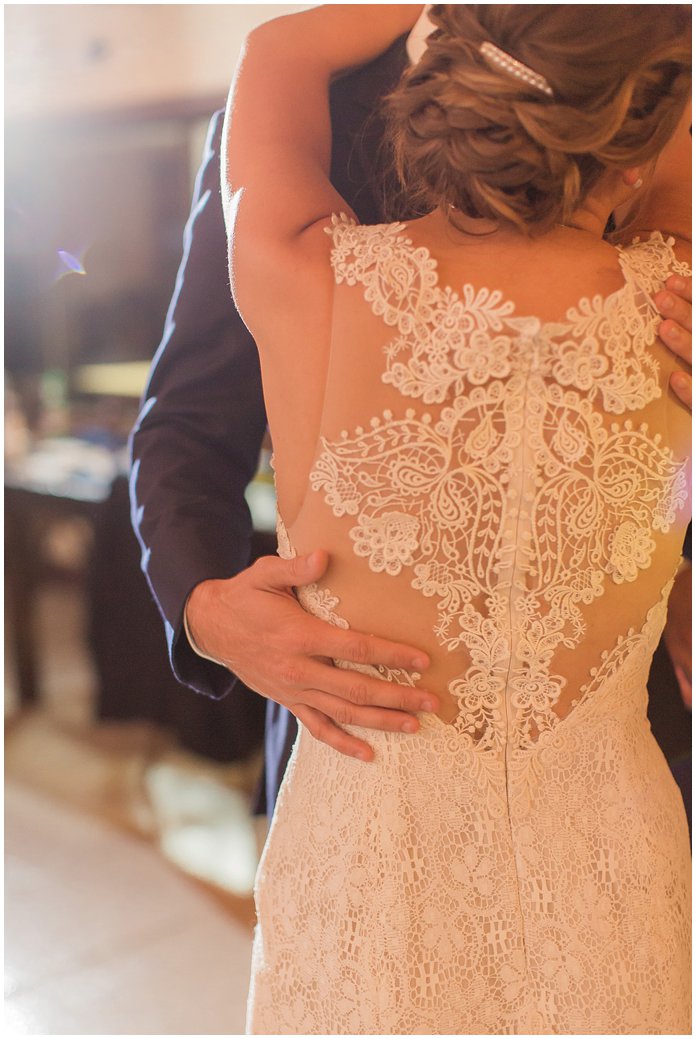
[508, 494]
[488, 484]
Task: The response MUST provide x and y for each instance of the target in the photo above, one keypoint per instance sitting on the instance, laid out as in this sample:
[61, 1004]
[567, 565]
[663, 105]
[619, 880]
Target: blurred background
[130, 844]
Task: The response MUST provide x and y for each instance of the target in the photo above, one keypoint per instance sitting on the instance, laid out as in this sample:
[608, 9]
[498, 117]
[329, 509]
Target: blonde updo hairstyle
[470, 137]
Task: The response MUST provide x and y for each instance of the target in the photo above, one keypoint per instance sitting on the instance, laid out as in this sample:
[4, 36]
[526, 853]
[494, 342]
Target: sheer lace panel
[533, 485]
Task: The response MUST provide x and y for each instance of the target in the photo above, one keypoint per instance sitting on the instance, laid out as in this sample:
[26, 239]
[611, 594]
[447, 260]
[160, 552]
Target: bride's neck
[663, 211]
[592, 216]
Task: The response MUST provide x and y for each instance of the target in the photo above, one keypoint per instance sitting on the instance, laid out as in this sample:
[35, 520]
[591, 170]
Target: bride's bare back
[498, 456]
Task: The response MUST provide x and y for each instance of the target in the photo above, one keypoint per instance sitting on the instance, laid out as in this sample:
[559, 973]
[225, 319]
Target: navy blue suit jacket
[197, 441]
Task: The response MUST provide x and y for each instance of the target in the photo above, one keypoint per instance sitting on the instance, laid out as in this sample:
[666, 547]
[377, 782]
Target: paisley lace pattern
[526, 868]
[526, 447]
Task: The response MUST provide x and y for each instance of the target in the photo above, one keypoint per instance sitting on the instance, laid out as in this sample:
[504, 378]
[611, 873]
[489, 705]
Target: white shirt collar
[416, 42]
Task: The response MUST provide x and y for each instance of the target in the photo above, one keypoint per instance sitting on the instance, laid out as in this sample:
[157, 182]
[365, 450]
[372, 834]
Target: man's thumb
[310, 568]
[273, 572]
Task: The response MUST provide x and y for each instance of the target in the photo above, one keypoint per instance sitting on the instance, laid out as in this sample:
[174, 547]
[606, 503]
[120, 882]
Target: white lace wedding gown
[510, 495]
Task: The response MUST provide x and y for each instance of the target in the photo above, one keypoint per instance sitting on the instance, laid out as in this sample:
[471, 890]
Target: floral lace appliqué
[520, 438]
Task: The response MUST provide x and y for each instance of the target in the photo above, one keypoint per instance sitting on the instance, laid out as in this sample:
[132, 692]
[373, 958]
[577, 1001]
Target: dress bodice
[503, 476]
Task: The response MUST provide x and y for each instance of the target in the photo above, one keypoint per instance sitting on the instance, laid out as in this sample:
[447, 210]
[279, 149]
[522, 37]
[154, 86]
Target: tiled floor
[104, 937]
[129, 866]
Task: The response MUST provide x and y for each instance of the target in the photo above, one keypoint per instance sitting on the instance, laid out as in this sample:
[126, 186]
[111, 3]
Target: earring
[638, 184]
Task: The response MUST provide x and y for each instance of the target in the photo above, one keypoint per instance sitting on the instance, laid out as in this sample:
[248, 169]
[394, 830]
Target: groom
[196, 447]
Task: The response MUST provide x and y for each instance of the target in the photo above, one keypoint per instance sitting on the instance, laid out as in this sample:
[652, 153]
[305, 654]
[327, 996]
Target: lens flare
[70, 264]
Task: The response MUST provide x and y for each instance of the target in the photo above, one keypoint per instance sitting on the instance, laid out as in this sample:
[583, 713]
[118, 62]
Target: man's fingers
[676, 339]
[674, 305]
[675, 330]
[345, 712]
[676, 309]
[681, 384]
[326, 731]
[681, 286]
[275, 573]
[356, 689]
[358, 648]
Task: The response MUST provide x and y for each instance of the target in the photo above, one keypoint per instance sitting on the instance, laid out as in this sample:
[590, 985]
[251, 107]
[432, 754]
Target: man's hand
[255, 626]
[674, 304]
[677, 633]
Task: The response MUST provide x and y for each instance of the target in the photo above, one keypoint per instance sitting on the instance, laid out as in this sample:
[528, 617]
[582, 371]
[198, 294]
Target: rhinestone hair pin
[513, 67]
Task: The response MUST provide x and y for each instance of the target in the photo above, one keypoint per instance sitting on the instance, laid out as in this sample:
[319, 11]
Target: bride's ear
[632, 177]
[629, 199]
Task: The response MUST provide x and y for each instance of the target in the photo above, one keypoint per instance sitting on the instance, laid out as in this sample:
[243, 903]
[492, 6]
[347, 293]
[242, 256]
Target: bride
[471, 414]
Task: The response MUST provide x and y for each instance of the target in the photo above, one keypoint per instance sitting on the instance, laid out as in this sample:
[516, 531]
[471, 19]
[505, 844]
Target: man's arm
[197, 441]
[194, 450]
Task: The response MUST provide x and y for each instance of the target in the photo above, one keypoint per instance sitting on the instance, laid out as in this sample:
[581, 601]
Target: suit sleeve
[196, 444]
